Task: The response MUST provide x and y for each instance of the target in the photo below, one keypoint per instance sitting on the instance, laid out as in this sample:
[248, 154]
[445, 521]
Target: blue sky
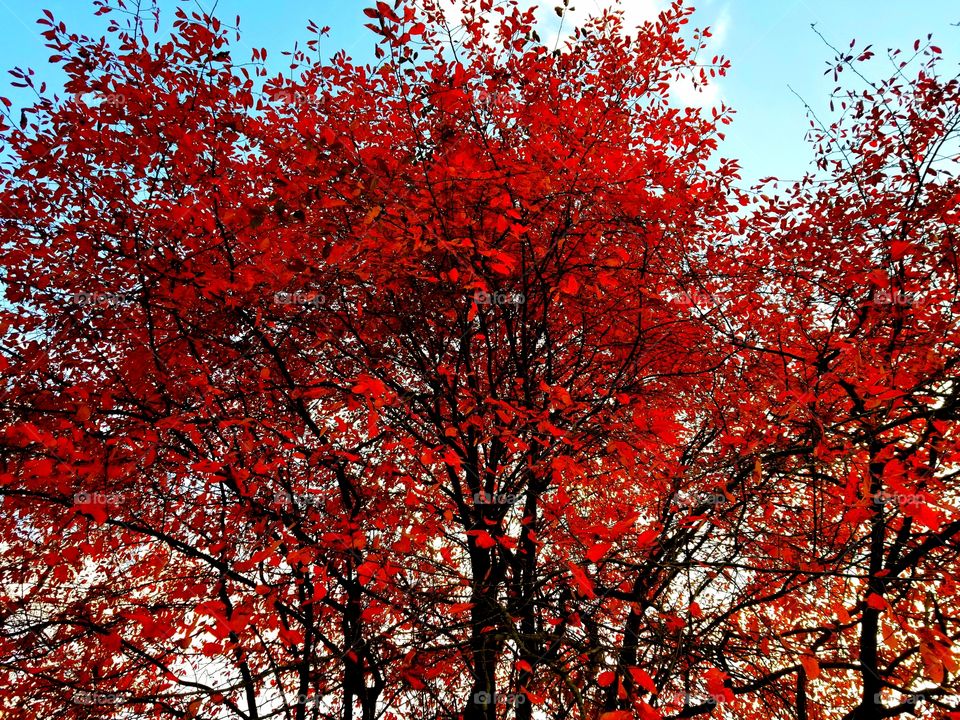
[769, 42]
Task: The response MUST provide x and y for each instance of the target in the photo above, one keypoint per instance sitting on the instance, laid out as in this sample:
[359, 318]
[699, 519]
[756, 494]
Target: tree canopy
[471, 383]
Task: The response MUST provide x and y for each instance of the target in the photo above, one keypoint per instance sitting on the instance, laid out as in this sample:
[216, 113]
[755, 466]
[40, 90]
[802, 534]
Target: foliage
[470, 385]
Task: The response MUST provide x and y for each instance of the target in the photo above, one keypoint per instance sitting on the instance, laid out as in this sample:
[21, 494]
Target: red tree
[856, 267]
[449, 387]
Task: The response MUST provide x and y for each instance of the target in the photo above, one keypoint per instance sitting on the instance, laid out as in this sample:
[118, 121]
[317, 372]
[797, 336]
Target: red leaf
[582, 582]
[876, 602]
[598, 551]
[716, 685]
[387, 12]
[642, 678]
[484, 539]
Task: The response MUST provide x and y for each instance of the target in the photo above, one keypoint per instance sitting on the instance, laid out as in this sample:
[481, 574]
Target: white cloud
[554, 31]
[635, 13]
[684, 91]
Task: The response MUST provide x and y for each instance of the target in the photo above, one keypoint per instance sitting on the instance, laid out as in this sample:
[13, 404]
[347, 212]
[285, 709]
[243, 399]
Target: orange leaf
[811, 667]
